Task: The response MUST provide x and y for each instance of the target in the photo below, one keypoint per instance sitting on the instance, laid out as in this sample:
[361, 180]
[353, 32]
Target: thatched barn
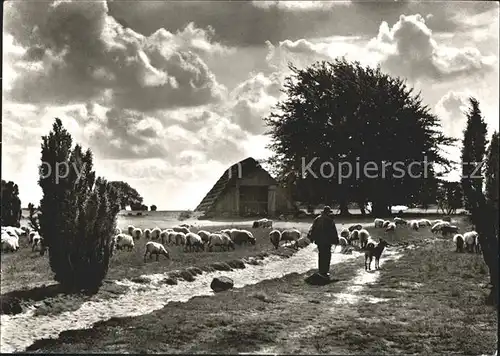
[246, 189]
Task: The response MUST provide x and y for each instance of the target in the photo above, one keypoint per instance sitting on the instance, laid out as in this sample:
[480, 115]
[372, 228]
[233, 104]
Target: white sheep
[345, 233]
[275, 237]
[386, 223]
[342, 241]
[155, 248]
[400, 221]
[130, 230]
[458, 240]
[264, 223]
[182, 229]
[363, 237]
[424, 223]
[204, 235]
[378, 222]
[155, 233]
[301, 243]
[171, 238]
[118, 231]
[449, 229]
[290, 235]
[31, 236]
[10, 243]
[194, 242]
[180, 238]
[137, 233]
[353, 237]
[391, 227]
[37, 242]
[438, 226]
[470, 240]
[164, 237]
[124, 241]
[437, 221]
[414, 225]
[147, 234]
[242, 237]
[222, 240]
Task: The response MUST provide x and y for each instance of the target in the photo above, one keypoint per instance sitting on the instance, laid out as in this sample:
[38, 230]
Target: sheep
[124, 241]
[240, 237]
[130, 230]
[447, 218]
[345, 233]
[155, 248]
[438, 226]
[378, 222]
[263, 223]
[155, 234]
[164, 237]
[222, 240]
[399, 221]
[275, 237]
[26, 230]
[171, 237]
[182, 229]
[478, 245]
[470, 240]
[355, 227]
[180, 238]
[118, 231]
[10, 243]
[448, 229]
[37, 242]
[147, 234]
[390, 227]
[194, 242]
[290, 235]
[186, 226]
[373, 249]
[414, 225]
[204, 235]
[137, 233]
[31, 236]
[424, 223]
[386, 223]
[458, 240]
[301, 243]
[353, 237]
[363, 237]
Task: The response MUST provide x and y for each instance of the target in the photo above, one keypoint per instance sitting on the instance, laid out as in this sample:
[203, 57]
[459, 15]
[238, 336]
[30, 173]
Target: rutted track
[21, 330]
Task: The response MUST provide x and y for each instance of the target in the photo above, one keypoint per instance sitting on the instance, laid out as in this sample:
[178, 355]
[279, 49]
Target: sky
[169, 94]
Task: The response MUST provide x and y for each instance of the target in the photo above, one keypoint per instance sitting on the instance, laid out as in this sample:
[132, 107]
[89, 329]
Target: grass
[27, 277]
[437, 306]
[434, 304]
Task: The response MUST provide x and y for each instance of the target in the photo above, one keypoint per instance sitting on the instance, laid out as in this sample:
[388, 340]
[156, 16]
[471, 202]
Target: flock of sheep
[181, 236]
[11, 235]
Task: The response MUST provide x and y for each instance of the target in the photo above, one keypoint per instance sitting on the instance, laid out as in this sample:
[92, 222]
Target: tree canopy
[11, 204]
[128, 196]
[341, 111]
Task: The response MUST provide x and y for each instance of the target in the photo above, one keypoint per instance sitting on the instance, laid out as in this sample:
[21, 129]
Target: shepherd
[323, 233]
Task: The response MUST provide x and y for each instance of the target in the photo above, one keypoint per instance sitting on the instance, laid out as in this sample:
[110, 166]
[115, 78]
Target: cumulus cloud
[451, 109]
[76, 52]
[410, 50]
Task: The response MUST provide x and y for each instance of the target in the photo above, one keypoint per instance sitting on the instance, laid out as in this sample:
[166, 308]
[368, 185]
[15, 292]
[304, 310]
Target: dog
[374, 250]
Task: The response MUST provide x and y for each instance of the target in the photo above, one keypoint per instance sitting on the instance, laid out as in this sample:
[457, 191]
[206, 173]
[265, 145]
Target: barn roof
[248, 166]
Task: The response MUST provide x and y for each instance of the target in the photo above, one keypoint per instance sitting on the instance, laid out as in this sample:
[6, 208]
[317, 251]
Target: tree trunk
[344, 209]
[380, 209]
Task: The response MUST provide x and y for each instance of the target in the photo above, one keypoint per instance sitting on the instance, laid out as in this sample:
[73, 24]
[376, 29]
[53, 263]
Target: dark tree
[78, 213]
[473, 149]
[128, 196]
[492, 166]
[138, 207]
[11, 204]
[343, 112]
[153, 208]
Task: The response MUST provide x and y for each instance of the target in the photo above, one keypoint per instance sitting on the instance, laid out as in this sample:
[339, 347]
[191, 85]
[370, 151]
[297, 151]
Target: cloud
[77, 52]
[451, 109]
[410, 50]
